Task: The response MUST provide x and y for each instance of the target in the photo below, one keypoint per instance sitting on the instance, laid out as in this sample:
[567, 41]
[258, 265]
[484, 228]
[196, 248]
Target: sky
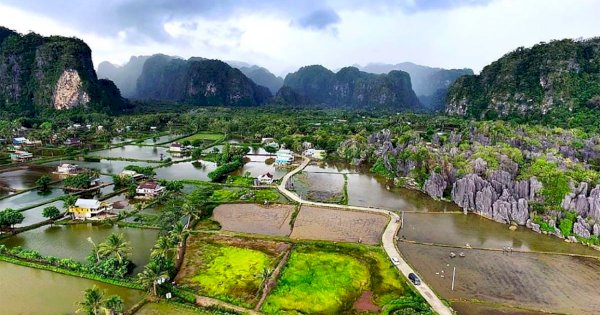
[283, 35]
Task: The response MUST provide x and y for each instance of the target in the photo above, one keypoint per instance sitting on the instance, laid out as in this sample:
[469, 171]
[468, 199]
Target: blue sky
[283, 35]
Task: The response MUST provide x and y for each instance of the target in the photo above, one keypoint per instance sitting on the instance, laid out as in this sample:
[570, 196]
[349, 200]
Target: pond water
[136, 152]
[460, 229]
[34, 215]
[104, 166]
[186, 170]
[551, 283]
[119, 140]
[29, 198]
[364, 189]
[257, 166]
[24, 178]
[70, 241]
[29, 291]
[161, 139]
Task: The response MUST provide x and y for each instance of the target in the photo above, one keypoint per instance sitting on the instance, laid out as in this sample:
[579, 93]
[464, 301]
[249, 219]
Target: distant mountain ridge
[548, 78]
[125, 76]
[197, 81]
[348, 88]
[429, 83]
[43, 73]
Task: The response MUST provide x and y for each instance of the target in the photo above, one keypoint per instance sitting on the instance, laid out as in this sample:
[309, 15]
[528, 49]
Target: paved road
[388, 238]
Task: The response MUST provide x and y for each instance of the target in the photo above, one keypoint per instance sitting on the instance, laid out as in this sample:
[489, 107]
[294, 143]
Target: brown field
[254, 218]
[549, 283]
[329, 224]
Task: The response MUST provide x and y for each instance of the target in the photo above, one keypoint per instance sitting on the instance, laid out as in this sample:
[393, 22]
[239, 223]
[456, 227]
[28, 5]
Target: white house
[88, 208]
[21, 156]
[266, 179]
[315, 154]
[133, 174]
[284, 157]
[149, 189]
[67, 169]
[179, 148]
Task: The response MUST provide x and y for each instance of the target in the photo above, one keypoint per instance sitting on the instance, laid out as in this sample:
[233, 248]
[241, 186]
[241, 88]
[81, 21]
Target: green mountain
[349, 88]
[555, 80]
[197, 81]
[264, 77]
[38, 74]
[430, 84]
[125, 76]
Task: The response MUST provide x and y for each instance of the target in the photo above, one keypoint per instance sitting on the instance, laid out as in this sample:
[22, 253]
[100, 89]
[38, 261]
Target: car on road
[395, 260]
[414, 278]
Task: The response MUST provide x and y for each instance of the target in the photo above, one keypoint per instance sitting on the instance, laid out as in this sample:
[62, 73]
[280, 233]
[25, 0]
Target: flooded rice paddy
[197, 170]
[29, 291]
[104, 166]
[29, 198]
[34, 215]
[137, 152]
[70, 241]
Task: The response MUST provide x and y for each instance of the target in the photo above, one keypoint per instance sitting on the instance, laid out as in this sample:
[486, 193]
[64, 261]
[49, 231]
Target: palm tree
[191, 212]
[92, 301]
[115, 244]
[163, 248]
[91, 241]
[150, 276]
[114, 305]
[178, 233]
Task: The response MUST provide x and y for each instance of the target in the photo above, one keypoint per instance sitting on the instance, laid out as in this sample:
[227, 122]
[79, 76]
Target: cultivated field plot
[330, 279]
[550, 283]
[229, 269]
[203, 136]
[329, 224]
[254, 218]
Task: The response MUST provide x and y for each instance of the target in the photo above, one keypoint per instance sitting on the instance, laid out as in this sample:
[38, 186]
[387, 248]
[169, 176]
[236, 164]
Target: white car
[395, 260]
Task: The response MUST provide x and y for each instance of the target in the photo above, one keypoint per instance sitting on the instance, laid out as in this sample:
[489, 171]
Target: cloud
[318, 20]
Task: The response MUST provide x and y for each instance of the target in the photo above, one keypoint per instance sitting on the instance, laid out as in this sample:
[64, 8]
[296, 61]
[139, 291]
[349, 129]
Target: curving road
[388, 238]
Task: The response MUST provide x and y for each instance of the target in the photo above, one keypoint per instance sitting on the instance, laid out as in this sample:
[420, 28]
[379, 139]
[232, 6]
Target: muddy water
[104, 166]
[551, 283]
[460, 229]
[258, 165]
[71, 241]
[186, 170]
[321, 187]
[136, 152]
[29, 198]
[34, 215]
[28, 291]
[24, 178]
[161, 139]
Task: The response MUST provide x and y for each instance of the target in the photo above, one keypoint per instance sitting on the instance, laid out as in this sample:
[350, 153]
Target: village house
[284, 157]
[266, 140]
[315, 154]
[265, 179]
[85, 209]
[73, 142]
[21, 156]
[149, 189]
[132, 174]
[179, 148]
[67, 169]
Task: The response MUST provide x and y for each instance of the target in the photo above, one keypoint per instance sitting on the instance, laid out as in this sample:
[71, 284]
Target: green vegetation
[170, 308]
[43, 183]
[231, 273]
[202, 136]
[325, 278]
[94, 303]
[147, 171]
[79, 181]
[9, 217]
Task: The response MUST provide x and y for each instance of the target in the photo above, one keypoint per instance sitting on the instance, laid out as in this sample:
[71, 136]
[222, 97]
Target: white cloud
[462, 36]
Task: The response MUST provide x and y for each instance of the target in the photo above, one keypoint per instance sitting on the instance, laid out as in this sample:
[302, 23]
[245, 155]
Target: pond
[34, 215]
[104, 166]
[161, 139]
[70, 241]
[258, 167]
[119, 140]
[186, 170]
[136, 152]
[29, 291]
[29, 198]
[477, 231]
[24, 177]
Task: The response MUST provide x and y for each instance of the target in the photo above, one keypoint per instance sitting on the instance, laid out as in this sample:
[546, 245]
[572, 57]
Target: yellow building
[88, 208]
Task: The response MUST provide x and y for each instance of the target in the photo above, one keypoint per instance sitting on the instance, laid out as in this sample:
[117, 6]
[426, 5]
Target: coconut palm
[179, 232]
[115, 245]
[114, 305]
[163, 248]
[191, 212]
[150, 276]
[92, 301]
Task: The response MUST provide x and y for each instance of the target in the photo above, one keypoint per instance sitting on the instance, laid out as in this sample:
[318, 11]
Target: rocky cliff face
[39, 73]
[560, 76]
[125, 76]
[350, 88]
[198, 82]
[430, 84]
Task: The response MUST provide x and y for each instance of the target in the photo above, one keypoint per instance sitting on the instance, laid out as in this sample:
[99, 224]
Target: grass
[233, 274]
[203, 136]
[170, 308]
[240, 181]
[327, 278]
